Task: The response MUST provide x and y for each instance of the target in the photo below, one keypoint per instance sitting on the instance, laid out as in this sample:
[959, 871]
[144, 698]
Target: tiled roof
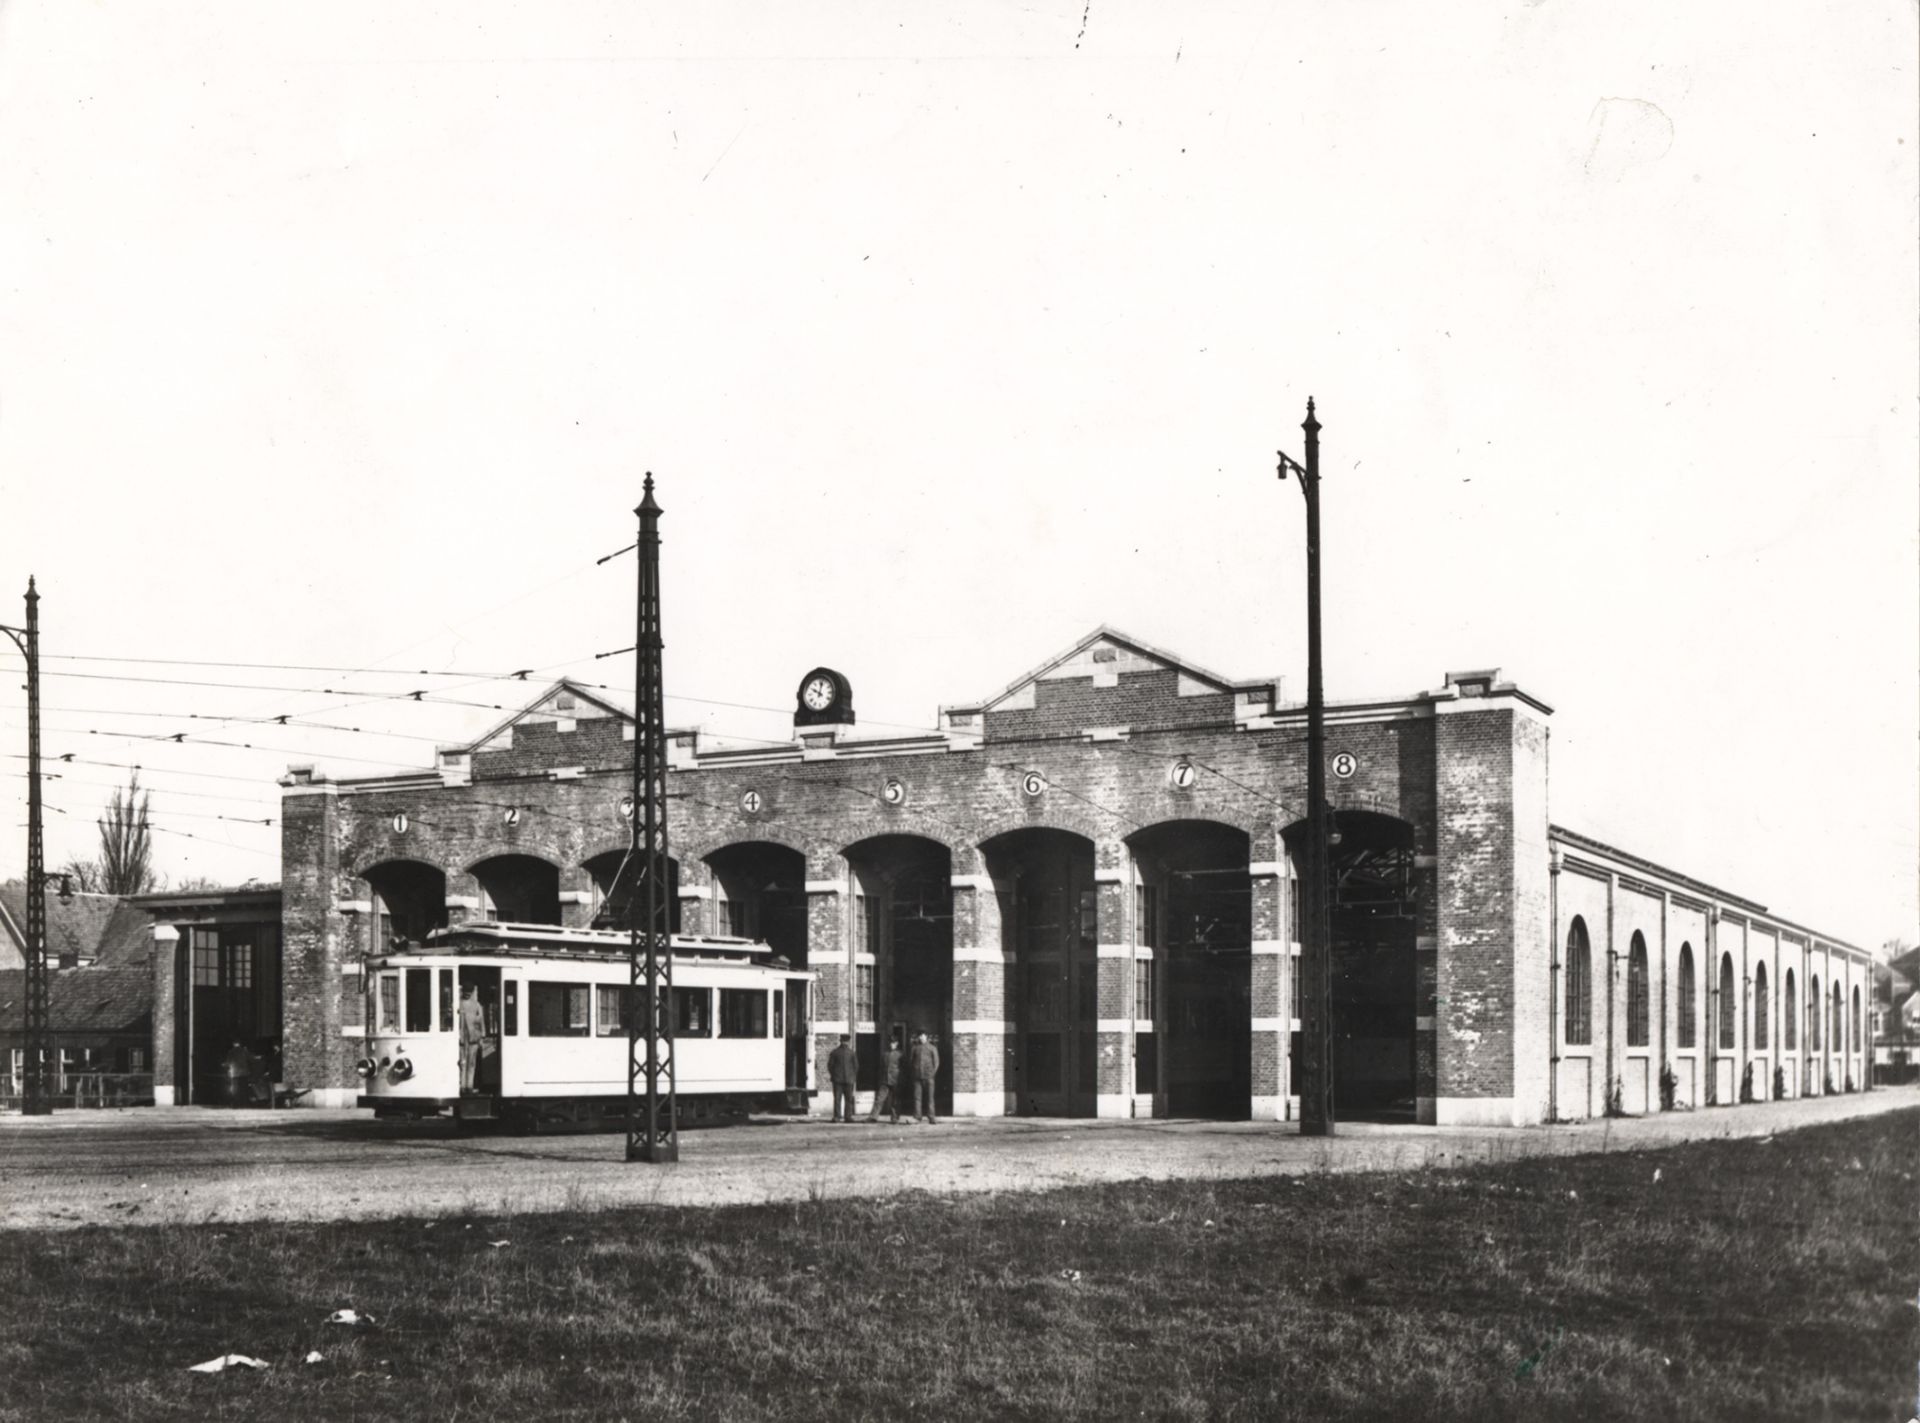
[94, 926]
[96, 999]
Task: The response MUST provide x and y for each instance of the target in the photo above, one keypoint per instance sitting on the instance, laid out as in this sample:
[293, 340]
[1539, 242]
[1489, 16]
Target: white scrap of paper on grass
[225, 1361]
[348, 1316]
[314, 1356]
[499, 1244]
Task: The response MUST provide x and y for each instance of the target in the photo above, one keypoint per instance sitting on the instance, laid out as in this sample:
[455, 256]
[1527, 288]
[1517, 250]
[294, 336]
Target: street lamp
[36, 1095]
[1315, 1069]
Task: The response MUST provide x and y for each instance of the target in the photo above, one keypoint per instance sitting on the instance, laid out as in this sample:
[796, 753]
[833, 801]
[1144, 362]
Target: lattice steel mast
[36, 1096]
[652, 1108]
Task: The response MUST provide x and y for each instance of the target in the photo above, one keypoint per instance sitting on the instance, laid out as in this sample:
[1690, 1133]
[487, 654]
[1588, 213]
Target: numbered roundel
[401, 823]
[1344, 765]
[626, 807]
[510, 817]
[1033, 783]
[752, 802]
[1182, 775]
[893, 791]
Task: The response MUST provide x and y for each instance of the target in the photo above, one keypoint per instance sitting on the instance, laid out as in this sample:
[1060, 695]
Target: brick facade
[1113, 778]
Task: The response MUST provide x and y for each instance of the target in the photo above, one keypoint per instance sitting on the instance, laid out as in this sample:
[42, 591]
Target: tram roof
[555, 939]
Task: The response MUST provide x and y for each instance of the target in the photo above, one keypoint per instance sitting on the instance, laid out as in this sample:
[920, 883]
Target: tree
[125, 865]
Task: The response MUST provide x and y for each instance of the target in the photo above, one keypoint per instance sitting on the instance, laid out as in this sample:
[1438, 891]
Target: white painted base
[1145, 1106]
[983, 1104]
[1475, 1112]
[163, 1096]
[1114, 1106]
[329, 1097]
[1270, 1109]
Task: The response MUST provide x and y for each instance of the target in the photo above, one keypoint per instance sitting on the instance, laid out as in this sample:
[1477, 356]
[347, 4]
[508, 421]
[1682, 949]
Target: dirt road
[149, 1165]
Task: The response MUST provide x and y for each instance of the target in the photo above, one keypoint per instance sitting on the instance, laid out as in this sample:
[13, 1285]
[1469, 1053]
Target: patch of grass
[1750, 1280]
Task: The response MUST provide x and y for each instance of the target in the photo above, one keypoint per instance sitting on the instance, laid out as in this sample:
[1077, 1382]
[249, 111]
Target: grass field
[1745, 1280]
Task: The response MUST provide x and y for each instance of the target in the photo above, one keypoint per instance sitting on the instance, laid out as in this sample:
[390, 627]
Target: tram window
[614, 1006]
[743, 1013]
[557, 1010]
[779, 1016]
[510, 1012]
[446, 1000]
[389, 1019]
[692, 1013]
[419, 1000]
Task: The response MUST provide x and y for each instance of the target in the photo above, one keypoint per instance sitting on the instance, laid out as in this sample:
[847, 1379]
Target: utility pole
[1316, 976]
[36, 1096]
[655, 1135]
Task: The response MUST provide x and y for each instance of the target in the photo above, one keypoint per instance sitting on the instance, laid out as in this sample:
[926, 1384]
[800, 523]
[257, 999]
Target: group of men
[920, 1062]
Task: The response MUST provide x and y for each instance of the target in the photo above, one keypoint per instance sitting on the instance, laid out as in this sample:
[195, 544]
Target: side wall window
[1637, 1014]
[1579, 985]
[1688, 1008]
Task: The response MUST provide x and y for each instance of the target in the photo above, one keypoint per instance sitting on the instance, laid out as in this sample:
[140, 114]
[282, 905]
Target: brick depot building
[1084, 888]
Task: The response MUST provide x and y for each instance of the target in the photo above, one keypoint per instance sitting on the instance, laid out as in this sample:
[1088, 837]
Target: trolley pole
[652, 1109]
[1315, 1073]
[36, 1095]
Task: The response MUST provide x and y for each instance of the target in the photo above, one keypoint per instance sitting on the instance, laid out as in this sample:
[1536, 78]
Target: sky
[340, 337]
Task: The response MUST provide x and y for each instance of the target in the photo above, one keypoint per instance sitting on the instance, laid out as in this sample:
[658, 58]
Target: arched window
[1856, 1019]
[1637, 992]
[1729, 1005]
[1689, 1010]
[1839, 1042]
[1760, 1034]
[1579, 984]
[1790, 1016]
[1813, 1013]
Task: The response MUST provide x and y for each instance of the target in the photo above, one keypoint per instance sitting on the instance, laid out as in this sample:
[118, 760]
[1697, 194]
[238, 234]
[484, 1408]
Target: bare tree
[125, 865]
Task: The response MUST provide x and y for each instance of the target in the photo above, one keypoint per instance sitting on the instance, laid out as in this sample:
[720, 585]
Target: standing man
[840, 1071]
[889, 1094]
[924, 1062]
[473, 1029]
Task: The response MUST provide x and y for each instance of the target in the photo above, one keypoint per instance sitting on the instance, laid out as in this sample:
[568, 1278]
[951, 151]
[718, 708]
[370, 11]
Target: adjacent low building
[1084, 886]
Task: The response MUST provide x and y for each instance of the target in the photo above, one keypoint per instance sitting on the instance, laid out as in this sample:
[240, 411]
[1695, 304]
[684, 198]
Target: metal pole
[36, 1091]
[656, 1137]
[1316, 1103]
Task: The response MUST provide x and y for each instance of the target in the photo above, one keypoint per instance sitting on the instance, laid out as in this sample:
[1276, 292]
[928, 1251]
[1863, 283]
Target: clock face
[818, 693]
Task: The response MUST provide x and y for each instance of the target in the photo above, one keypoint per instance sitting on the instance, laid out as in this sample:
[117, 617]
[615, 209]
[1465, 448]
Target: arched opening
[1790, 1016]
[760, 892]
[1813, 1013]
[902, 967]
[409, 901]
[605, 870]
[1729, 1006]
[1050, 931]
[1579, 994]
[1375, 990]
[1854, 1043]
[1762, 1037]
[1839, 1041]
[518, 889]
[1193, 908]
[1637, 1014]
[1687, 1009]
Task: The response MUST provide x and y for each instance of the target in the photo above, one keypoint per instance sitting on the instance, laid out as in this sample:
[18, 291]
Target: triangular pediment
[564, 704]
[1103, 657]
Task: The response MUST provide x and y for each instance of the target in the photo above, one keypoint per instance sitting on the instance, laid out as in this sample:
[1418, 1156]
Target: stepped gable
[1111, 682]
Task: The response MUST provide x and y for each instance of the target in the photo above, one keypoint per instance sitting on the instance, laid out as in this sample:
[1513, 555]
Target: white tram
[555, 1047]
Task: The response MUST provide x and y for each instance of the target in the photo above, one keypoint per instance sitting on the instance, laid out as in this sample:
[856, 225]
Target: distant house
[1896, 1019]
[99, 992]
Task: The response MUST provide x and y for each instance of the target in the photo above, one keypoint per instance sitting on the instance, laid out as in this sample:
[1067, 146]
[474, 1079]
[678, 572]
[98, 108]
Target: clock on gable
[825, 698]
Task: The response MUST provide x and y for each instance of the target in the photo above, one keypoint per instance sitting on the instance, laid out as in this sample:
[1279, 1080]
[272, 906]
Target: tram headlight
[402, 1069]
[366, 1067]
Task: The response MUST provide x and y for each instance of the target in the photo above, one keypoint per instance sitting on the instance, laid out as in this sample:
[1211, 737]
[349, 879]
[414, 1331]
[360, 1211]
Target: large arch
[409, 902]
[518, 889]
[760, 892]
[1375, 990]
[901, 978]
[604, 870]
[1193, 907]
[1044, 882]
[1762, 1024]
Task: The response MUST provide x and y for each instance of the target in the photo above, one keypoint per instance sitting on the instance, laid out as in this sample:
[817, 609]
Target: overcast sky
[340, 336]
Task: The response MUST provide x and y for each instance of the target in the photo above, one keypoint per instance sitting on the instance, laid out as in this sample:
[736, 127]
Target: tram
[554, 1003]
